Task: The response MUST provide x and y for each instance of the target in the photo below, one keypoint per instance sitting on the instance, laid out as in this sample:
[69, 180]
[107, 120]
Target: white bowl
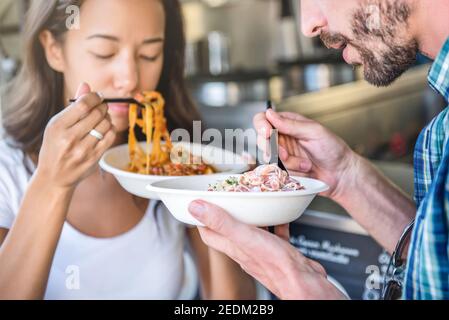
[116, 159]
[254, 208]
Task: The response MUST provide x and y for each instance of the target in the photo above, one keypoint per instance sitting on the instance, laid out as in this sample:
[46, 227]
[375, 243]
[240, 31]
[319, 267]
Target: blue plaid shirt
[427, 272]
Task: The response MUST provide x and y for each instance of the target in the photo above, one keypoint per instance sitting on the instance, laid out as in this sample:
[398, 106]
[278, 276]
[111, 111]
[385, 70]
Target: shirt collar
[439, 73]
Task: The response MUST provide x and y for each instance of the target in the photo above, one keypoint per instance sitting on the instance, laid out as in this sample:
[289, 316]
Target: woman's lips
[120, 108]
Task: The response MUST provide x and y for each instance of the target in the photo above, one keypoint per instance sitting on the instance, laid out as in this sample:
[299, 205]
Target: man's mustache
[334, 39]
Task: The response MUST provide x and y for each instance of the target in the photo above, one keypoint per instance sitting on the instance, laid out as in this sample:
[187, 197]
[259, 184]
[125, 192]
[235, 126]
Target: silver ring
[96, 134]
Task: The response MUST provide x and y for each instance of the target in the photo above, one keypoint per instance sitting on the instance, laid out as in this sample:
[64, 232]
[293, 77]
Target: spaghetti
[155, 159]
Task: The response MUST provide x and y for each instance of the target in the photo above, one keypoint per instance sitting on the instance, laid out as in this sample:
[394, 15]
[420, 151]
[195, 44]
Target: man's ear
[53, 51]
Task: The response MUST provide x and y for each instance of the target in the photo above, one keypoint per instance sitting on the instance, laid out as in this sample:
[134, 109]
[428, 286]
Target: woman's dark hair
[36, 95]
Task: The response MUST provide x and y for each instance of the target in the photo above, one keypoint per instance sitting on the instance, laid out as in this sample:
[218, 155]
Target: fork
[274, 143]
[120, 100]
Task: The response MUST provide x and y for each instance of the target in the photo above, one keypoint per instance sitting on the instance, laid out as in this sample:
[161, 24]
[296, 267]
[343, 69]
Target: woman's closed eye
[111, 55]
[103, 56]
[149, 58]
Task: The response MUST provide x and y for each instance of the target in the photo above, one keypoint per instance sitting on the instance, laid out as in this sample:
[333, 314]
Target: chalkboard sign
[354, 262]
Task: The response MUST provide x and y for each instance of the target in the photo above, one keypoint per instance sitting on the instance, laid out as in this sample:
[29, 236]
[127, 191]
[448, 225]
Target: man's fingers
[291, 162]
[290, 144]
[283, 232]
[294, 173]
[317, 267]
[219, 220]
[218, 242]
[262, 126]
[304, 130]
[293, 116]
[293, 146]
[263, 144]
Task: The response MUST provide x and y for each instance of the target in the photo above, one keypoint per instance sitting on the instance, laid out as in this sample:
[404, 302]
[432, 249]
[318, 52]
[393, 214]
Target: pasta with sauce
[155, 159]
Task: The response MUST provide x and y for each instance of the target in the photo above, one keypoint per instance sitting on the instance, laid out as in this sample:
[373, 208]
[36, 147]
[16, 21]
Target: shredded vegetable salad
[265, 178]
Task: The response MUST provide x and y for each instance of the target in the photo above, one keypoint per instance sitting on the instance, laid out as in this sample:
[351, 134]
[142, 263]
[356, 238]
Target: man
[384, 36]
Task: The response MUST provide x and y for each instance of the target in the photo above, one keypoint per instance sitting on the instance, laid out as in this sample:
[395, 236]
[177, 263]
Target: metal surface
[331, 221]
[327, 214]
[229, 93]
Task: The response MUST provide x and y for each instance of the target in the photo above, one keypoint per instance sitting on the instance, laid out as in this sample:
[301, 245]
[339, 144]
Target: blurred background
[241, 53]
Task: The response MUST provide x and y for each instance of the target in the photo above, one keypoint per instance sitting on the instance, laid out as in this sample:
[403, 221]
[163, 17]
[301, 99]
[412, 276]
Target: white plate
[254, 208]
[116, 159]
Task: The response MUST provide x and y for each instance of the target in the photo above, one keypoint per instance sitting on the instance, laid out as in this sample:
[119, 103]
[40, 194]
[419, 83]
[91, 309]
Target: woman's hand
[69, 153]
[308, 148]
[269, 258]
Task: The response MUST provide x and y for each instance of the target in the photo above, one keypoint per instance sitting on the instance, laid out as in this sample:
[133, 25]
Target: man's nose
[312, 18]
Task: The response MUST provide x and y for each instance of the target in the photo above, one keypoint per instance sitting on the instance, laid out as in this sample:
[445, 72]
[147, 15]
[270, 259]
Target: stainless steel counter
[327, 214]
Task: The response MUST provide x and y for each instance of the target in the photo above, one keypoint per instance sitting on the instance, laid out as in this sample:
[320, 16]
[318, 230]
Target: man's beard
[383, 67]
[390, 65]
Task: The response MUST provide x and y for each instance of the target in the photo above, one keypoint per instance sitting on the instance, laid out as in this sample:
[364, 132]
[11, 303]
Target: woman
[67, 230]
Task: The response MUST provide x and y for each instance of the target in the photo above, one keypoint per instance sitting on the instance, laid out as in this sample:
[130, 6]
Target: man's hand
[269, 258]
[308, 148]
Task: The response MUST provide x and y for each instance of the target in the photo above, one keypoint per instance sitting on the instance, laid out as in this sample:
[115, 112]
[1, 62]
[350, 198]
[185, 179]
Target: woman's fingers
[69, 153]
[83, 89]
[79, 109]
[93, 156]
[90, 141]
[105, 143]
[91, 121]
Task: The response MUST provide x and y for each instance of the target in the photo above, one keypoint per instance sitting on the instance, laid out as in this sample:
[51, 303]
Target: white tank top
[147, 262]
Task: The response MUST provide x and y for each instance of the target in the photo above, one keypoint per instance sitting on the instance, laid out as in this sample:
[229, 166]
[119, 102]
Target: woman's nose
[127, 77]
[312, 18]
